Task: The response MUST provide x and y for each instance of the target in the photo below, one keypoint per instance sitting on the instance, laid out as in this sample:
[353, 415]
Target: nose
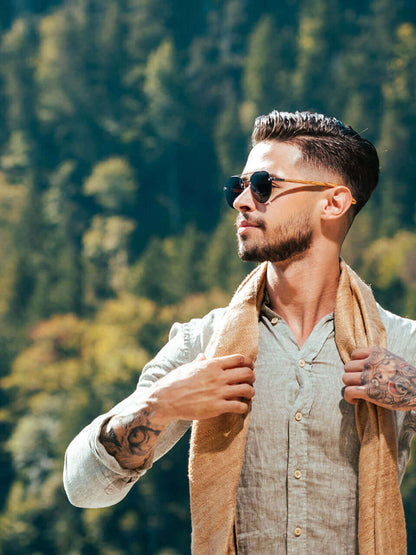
[245, 201]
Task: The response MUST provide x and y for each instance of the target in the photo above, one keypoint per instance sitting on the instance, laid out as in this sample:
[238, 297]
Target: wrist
[158, 408]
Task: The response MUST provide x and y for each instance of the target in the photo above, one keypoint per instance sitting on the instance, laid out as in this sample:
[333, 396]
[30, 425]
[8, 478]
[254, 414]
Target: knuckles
[247, 390]
[240, 360]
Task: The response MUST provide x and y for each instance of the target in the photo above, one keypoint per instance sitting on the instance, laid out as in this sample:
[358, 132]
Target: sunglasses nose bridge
[245, 198]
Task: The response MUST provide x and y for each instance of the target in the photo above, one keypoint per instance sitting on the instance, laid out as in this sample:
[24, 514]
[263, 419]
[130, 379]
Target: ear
[337, 202]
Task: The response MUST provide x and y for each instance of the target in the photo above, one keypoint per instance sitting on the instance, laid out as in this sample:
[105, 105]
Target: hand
[201, 389]
[377, 375]
[206, 388]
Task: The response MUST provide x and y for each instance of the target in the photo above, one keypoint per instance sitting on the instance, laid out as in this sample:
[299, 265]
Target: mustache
[258, 222]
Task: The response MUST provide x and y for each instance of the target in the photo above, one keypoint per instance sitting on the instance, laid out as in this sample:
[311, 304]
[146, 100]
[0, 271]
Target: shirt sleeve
[92, 477]
[401, 340]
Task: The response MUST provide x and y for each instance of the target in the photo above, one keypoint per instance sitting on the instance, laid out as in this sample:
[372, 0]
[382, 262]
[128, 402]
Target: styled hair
[325, 142]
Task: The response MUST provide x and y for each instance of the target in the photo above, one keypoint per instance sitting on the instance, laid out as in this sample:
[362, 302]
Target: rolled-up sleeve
[92, 477]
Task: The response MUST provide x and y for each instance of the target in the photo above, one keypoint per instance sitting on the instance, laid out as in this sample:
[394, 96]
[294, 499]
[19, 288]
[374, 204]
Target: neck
[303, 291]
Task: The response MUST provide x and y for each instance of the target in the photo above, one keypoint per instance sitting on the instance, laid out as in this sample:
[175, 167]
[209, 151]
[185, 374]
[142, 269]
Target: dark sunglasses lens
[261, 186]
[232, 189]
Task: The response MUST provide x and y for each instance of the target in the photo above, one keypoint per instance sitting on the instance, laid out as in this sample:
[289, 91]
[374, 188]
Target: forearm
[197, 390]
[130, 435]
[92, 477]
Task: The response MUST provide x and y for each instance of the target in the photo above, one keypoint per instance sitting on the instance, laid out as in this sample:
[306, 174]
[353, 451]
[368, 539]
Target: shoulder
[394, 323]
[401, 334]
[198, 330]
[186, 341]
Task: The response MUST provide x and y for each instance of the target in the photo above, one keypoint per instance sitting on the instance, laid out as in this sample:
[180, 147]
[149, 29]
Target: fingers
[235, 361]
[367, 352]
[360, 354]
[236, 407]
[352, 393]
[352, 378]
[242, 390]
[354, 365]
[239, 375]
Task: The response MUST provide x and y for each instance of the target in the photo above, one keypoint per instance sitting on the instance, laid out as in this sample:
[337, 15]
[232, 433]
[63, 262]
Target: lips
[243, 226]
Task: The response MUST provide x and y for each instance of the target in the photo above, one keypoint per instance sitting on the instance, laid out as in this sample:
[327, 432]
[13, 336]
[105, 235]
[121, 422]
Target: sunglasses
[261, 184]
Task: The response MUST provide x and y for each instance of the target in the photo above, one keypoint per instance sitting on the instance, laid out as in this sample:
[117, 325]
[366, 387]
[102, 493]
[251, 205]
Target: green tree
[266, 82]
[230, 140]
[398, 199]
[112, 182]
[317, 47]
[162, 87]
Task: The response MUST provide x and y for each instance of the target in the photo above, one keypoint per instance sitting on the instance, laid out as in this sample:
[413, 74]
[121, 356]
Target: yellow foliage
[400, 86]
[107, 235]
[248, 112]
[67, 352]
[358, 239]
[11, 201]
[94, 516]
[388, 260]
[52, 362]
[127, 308]
[406, 32]
[309, 32]
[195, 306]
[49, 64]
[64, 330]
[112, 182]
[113, 353]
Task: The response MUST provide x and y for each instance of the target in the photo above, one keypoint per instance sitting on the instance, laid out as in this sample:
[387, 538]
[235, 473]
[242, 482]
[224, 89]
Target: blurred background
[119, 121]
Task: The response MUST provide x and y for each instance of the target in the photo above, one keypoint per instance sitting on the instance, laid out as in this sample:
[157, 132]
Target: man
[286, 463]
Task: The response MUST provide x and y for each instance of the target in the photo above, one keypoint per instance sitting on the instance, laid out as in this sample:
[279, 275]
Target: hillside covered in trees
[120, 121]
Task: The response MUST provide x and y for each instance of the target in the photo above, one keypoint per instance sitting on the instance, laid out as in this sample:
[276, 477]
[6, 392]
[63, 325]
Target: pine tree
[398, 198]
[266, 72]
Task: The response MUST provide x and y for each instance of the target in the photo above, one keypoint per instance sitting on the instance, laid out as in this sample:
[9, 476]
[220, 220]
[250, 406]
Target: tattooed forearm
[390, 380]
[130, 439]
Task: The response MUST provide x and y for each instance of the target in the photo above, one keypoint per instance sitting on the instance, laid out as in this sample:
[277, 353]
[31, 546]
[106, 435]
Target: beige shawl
[217, 444]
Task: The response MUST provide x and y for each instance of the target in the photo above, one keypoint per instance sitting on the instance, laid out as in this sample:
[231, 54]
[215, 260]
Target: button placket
[296, 485]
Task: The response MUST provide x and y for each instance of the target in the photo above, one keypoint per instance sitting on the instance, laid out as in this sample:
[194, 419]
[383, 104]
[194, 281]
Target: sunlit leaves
[162, 88]
[113, 184]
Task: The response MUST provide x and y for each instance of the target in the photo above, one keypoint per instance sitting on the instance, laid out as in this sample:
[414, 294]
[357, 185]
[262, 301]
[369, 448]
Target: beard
[286, 241]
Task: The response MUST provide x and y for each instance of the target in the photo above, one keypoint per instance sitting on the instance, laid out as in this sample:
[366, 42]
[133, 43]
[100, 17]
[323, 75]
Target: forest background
[120, 120]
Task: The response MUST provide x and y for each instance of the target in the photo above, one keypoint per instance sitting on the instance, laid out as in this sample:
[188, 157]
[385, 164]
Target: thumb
[201, 356]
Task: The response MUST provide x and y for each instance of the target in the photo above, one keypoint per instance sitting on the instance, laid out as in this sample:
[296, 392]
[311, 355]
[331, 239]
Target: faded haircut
[325, 142]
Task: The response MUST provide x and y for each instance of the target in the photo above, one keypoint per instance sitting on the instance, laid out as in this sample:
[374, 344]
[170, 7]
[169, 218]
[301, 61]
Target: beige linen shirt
[298, 487]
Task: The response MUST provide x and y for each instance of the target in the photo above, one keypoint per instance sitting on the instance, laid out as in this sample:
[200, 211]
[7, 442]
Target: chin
[251, 255]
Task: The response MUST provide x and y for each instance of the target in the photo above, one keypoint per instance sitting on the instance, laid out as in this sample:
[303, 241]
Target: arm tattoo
[130, 439]
[390, 380]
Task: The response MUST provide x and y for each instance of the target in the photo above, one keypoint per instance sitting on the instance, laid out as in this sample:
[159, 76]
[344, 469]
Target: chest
[298, 402]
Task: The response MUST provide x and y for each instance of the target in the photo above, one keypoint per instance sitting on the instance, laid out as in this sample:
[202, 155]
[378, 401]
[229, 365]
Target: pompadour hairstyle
[325, 142]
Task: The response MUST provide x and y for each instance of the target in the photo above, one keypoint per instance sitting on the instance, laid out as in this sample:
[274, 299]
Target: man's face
[283, 227]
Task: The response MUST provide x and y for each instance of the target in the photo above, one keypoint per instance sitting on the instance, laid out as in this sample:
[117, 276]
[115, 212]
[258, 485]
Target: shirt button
[298, 416]
[274, 320]
[297, 531]
[301, 363]
[297, 474]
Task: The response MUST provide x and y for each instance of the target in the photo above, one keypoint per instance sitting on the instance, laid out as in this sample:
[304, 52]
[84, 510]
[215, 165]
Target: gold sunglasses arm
[319, 183]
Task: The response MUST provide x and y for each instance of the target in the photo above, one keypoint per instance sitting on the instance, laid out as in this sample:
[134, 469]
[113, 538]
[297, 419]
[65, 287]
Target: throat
[303, 298]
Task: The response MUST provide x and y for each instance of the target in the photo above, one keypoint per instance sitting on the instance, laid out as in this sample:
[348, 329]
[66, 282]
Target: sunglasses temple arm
[319, 183]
